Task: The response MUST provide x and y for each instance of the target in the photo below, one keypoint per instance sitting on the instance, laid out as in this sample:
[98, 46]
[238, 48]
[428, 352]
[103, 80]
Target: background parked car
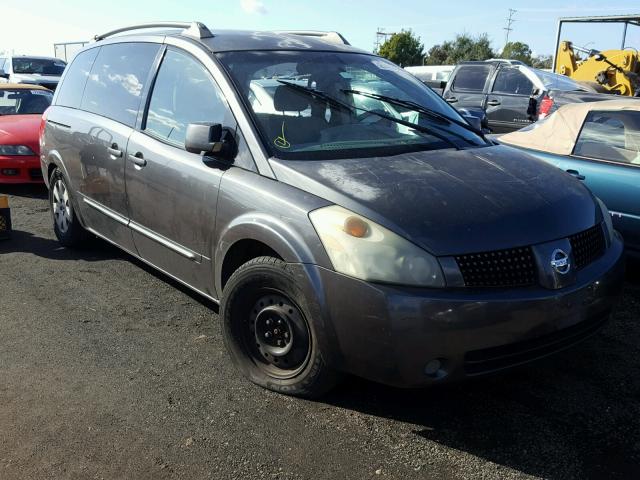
[600, 144]
[21, 108]
[44, 71]
[435, 76]
[513, 94]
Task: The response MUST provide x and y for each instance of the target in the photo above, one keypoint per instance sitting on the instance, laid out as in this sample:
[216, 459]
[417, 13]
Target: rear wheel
[65, 222]
[269, 333]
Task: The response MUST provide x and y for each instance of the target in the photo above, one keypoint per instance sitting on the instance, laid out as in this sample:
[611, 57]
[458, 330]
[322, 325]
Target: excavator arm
[612, 71]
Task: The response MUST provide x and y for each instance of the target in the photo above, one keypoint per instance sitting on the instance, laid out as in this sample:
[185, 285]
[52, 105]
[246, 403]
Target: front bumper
[389, 334]
[20, 169]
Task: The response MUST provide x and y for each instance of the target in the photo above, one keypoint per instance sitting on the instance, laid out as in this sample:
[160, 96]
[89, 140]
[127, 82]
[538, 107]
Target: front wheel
[65, 222]
[269, 333]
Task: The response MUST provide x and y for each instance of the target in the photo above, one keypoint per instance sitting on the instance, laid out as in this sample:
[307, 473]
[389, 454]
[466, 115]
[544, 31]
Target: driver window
[611, 136]
[512, 81]
[184, 92]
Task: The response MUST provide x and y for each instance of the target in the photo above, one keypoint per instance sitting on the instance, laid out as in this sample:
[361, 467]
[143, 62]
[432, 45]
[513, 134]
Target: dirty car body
[415, 250]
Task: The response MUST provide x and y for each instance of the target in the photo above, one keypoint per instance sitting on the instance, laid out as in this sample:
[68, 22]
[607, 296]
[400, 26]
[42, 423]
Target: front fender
[277, 233]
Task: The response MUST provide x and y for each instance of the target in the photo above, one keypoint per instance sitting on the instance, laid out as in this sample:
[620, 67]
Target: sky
[33, 26]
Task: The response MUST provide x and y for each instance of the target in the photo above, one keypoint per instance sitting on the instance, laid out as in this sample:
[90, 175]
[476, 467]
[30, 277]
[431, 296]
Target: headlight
[607, 220]
[368, 251]
[15, 150]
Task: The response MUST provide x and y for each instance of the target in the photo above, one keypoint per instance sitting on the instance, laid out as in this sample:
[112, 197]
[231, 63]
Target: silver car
[344, 216]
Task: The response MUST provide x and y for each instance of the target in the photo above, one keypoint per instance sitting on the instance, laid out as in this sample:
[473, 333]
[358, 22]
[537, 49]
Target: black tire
[245, 321]
[69, 232]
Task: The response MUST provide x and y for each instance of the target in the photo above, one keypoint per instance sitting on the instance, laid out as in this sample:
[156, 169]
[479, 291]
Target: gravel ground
[109, 370]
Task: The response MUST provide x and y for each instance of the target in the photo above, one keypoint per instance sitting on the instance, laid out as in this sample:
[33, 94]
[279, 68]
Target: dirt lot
[109, 370]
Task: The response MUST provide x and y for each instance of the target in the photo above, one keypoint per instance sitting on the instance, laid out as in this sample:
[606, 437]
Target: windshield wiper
[334, 101]
[416, 107]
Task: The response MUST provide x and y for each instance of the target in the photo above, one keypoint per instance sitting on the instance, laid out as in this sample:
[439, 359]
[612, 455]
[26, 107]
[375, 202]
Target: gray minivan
[343, 215]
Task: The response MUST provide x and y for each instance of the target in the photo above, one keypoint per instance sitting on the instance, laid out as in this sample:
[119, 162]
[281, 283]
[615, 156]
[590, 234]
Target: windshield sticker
[281, 141]
[60, 64]
[40, 92]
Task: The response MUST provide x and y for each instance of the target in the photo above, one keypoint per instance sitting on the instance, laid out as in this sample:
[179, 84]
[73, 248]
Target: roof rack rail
[192, 29]
[330, 37]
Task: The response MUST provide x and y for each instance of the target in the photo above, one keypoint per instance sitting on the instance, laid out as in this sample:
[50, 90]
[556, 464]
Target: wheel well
[50, 169]
[240, 253]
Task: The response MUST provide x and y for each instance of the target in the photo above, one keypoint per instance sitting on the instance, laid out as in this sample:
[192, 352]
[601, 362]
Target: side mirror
[4, 75]
[443, 84]
[475, 122]
[477, 118]
[211, 140]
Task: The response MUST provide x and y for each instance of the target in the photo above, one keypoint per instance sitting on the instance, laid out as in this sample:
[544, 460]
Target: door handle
[114, 151]
[451, 99]
[576, 174]
[494, 103]
[138, 159]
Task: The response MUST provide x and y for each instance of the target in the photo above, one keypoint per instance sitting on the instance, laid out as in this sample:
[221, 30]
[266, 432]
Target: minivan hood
[452, 202]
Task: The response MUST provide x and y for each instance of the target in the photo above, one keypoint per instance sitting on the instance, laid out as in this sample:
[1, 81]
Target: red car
[21, 109]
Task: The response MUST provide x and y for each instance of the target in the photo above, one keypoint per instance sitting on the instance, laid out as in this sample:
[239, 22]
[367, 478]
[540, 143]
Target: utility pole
[381, 37]
[510, 21]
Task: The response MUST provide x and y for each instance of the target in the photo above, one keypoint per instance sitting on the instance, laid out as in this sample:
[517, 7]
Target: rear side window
[183, 93]
[512, 81]
[471, 78]
[117, 80]
[611, 136]
[70, 92]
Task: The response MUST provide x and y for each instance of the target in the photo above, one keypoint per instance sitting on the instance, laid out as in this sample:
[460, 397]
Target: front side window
[311, 105]
[512, 81]
[41, 66]
[183, 93]
[471, 78]
[23, 101]
[611, 136]
[117, 80]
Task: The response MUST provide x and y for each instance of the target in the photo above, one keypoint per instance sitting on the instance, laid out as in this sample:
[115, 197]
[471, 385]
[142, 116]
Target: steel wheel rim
[272, 319]
[61, 206]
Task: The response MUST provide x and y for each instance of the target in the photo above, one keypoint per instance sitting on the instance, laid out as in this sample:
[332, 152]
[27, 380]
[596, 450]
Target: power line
[381, 37]
[510, 21]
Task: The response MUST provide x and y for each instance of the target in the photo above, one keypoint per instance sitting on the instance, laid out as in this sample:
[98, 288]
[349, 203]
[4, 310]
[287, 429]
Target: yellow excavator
[609, 71]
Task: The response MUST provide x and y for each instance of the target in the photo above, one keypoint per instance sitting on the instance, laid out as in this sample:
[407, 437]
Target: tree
[542, 61]
[517, 51]
[463, 47]
[403, 48]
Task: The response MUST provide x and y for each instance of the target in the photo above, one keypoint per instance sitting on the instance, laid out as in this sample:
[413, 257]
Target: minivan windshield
[324, 105]
[41, 66]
